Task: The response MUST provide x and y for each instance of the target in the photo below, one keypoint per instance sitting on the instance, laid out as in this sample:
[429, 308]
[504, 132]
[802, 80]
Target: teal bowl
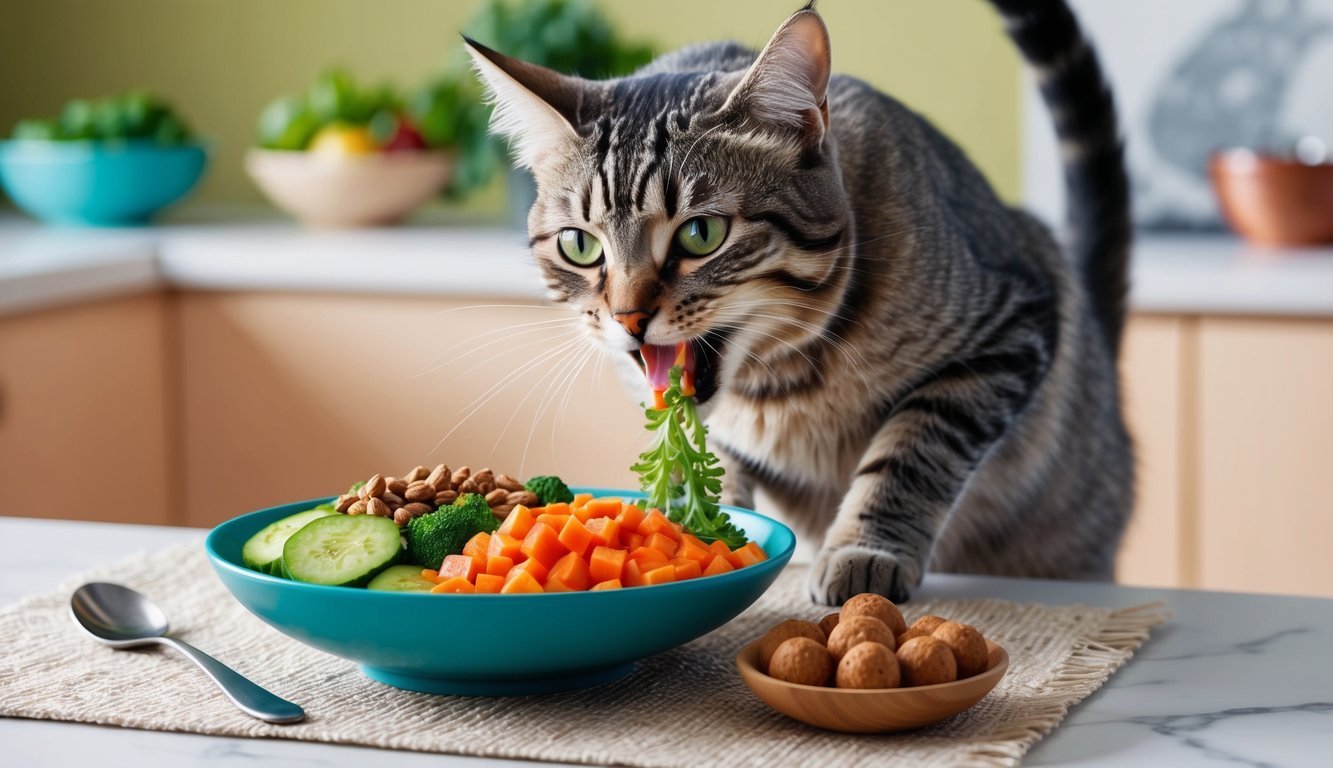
[496, 645]
[90, 183]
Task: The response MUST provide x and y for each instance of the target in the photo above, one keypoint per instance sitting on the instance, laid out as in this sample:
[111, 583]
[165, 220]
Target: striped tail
[1080, 103]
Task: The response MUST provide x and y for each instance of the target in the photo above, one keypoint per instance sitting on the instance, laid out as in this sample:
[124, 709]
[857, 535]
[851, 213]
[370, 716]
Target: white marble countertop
[1231, 680]
[252, 250]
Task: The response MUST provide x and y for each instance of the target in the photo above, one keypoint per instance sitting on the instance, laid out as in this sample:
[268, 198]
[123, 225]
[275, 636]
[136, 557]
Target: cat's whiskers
[540, 342]
[566, 364]
[508, 331]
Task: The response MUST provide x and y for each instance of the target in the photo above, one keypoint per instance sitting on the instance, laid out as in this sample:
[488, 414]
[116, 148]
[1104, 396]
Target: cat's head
[702, 206]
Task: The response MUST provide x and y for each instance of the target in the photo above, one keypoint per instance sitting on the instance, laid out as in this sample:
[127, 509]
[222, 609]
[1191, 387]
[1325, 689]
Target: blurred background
[251, 251]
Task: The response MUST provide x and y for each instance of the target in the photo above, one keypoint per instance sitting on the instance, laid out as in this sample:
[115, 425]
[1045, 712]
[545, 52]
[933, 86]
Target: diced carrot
[632, 541]
[555, 522]
[531, 567]
[719, 565]
[606, 563]
[580, 499]
[430, 573]
[556, 508]
[576, 537]
[572, 571]
[605, 531]
[522, 582]
[608, 584]
[603, 507]
[463, 566]
[518, 522]
[543, 544]
[633, 575]
[504, 545]
[720, 549]
[476, 546]
[656, 522]
[454, 585]
[662, 543]
[748, 554]
[499, 565]
[691, 548]
[648, 558]
[489, 583]
[556, 585]
[630, 517]
[660, 575]
[687, 569]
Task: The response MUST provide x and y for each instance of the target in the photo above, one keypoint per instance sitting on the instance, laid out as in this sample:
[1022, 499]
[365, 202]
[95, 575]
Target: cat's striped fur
[911, 372]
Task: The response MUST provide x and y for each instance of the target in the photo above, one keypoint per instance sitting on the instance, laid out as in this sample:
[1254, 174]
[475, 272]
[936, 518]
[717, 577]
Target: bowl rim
[744, 663]
[778, 561]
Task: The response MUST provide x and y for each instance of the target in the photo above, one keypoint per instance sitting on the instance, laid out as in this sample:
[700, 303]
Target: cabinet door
[1152, 376]
[1266, 455]
[288, 397]
[83, 413]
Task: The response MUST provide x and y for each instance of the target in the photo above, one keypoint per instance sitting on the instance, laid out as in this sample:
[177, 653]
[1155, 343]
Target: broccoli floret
[549, 489]
[432, 537]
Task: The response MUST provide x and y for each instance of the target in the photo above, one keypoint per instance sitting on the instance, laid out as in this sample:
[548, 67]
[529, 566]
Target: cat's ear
[788, 83]
[535, 107]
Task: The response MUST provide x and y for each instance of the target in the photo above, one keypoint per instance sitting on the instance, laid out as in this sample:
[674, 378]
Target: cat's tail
[1097, 187]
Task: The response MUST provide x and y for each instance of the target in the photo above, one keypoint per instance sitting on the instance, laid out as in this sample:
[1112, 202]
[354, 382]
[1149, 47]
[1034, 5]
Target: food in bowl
[127, 116]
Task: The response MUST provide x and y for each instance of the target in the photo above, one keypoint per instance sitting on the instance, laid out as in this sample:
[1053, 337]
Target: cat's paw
[842, 572]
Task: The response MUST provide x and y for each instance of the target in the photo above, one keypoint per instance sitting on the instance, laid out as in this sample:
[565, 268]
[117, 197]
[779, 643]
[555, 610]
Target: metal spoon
[122, 618]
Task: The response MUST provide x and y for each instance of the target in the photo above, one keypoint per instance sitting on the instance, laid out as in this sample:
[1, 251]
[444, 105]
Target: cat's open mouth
[699, 358]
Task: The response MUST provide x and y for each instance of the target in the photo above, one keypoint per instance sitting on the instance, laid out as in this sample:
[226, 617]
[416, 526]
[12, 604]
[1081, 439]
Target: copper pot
[1274, 200]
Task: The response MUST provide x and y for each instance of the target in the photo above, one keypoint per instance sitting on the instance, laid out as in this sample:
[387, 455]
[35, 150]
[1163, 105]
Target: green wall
[220, 61]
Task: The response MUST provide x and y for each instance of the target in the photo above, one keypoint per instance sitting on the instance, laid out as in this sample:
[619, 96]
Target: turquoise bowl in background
[98, 183]
[496, 645]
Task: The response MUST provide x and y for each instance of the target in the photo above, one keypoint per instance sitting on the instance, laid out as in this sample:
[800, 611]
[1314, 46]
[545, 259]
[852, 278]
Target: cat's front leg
[910, 476]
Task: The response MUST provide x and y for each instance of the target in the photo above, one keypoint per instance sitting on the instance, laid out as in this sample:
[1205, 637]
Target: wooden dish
[870, 710]
[1273, 200]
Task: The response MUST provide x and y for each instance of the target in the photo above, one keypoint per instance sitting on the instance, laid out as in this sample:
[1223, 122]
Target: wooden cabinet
[85, 410]
[288, 397]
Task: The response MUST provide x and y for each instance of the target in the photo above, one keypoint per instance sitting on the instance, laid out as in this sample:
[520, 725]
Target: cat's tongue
[658, 361]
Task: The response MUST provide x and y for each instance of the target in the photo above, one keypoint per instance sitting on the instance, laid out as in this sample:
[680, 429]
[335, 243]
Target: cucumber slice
[342, 550]
[401, 578]
[263, 551]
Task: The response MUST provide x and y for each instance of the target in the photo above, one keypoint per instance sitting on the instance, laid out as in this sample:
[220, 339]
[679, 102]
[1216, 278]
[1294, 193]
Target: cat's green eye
[580, 248]
[701, 235]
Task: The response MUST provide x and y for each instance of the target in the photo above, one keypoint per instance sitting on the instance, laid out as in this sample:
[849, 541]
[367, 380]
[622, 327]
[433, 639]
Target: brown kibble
[445, 497]
[396, 485]
[497, 496]
[484, 475]
[868, 665]
[402, 517]
[876, 606]
[358, 507]
[501, 511]
[508, 483]
[828, 623]
[784, 631]
[344, 501]
[460, 474]
[852, 630]
[526, 498]
[420, 491]
[417, 509]
[440, 477]
[376, 486]
[392, 499]
[417, 474]
[467, 486]
[922, 627]
[377, 507]
[801, 660]
[926, 661]
[969, 647]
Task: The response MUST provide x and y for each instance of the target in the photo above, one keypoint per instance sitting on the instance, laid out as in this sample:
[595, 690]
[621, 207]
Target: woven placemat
[687, 707]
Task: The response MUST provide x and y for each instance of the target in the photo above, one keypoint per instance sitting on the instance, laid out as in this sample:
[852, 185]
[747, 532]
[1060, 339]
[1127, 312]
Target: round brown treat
[868, 665]
[876, 606]
[785, 631]
[926, 661]
[858, 629]
[828, 623]
[968, 646]
[801, 660]
[928, 623]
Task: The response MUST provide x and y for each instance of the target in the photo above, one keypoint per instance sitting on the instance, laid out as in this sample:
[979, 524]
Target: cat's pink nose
[635, 321]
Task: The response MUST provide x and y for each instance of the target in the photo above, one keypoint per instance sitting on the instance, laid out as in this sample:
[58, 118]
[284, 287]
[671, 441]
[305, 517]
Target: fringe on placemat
[1085, 671]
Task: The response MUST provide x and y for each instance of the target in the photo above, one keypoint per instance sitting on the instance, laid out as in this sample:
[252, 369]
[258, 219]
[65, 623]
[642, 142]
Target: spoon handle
[249, 697]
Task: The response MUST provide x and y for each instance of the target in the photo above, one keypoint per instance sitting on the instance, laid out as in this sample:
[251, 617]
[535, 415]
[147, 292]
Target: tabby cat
[910, 371]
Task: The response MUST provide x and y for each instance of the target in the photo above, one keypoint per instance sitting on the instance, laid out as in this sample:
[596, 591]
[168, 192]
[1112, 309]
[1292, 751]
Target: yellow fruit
[343, 140]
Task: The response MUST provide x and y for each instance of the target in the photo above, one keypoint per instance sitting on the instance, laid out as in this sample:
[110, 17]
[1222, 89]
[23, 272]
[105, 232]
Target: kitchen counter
[1231, 680]
[244, 250]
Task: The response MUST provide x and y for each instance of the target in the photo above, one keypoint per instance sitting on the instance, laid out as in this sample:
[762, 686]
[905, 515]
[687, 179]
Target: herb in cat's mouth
[678, 473]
